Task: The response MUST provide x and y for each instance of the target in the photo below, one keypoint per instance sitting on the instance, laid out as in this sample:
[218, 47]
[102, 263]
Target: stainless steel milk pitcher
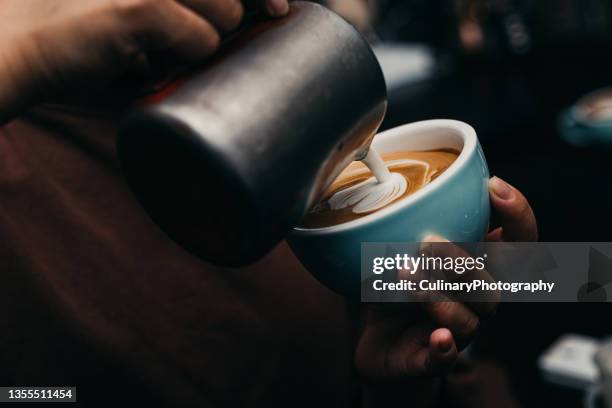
[228, 158]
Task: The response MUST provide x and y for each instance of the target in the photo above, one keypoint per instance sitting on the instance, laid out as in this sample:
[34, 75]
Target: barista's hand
[52, 46]
[401, 350]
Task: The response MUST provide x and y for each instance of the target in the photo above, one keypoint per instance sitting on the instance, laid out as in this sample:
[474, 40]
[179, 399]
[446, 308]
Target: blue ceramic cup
[455, 205]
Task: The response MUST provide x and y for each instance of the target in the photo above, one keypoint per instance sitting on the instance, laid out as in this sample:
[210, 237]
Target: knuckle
[130, 8]
[133, 21]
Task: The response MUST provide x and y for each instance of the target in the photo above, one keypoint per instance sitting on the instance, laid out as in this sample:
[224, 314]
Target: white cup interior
[420, 136]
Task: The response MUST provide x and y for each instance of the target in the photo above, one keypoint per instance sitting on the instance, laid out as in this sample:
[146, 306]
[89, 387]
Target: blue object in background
[589, 122]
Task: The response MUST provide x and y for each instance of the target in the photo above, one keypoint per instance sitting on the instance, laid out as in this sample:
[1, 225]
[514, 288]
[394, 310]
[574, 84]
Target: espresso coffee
[357, 193]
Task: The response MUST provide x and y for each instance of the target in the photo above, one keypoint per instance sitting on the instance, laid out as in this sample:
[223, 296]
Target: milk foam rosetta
[357, 193]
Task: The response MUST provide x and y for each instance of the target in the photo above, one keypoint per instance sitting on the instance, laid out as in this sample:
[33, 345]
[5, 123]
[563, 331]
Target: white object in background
[404, 64]
[570, 362]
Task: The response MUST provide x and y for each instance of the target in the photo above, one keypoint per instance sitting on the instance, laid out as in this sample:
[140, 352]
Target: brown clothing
[93, 294]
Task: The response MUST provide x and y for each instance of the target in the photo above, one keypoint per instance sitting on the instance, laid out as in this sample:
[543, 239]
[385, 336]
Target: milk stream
[373, 193]
[377, 166]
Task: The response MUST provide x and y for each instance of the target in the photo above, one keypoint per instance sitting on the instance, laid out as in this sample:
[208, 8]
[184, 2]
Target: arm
[53, 47]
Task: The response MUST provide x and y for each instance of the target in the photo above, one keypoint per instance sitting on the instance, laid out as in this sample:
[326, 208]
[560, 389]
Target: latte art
[373, 193]
[357, 192]
[369, 195]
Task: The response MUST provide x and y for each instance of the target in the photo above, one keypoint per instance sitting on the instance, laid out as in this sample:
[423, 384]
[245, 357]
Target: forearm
[415, 393]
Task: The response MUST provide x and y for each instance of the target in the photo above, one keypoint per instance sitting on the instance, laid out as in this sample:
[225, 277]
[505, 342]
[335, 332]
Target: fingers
[517, 218]
[462, 322]
[484, 303]
[187, 28]
[420, 354]
[442, 352]
[389, 349]
[275, 8]
[165, 25]
[223, 14]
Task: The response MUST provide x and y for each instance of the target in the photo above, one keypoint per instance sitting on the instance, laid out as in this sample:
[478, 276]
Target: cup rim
[470, 142]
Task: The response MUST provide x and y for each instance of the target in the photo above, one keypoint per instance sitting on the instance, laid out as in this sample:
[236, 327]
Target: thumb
[517, 218]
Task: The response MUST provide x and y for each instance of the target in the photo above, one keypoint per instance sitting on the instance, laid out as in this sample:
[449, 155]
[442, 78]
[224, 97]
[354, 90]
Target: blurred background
[518, 72]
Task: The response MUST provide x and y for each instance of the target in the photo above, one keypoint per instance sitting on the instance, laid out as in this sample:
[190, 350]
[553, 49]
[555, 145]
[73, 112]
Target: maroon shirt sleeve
[93, 294]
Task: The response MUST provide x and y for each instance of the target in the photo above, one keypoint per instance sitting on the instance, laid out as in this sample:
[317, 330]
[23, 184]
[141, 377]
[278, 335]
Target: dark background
[513, 96]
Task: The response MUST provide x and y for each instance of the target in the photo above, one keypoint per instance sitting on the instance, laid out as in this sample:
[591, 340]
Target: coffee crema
[357, 193]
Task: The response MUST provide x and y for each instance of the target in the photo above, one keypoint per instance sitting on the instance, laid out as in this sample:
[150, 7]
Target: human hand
[411, 343]
[54, 46]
